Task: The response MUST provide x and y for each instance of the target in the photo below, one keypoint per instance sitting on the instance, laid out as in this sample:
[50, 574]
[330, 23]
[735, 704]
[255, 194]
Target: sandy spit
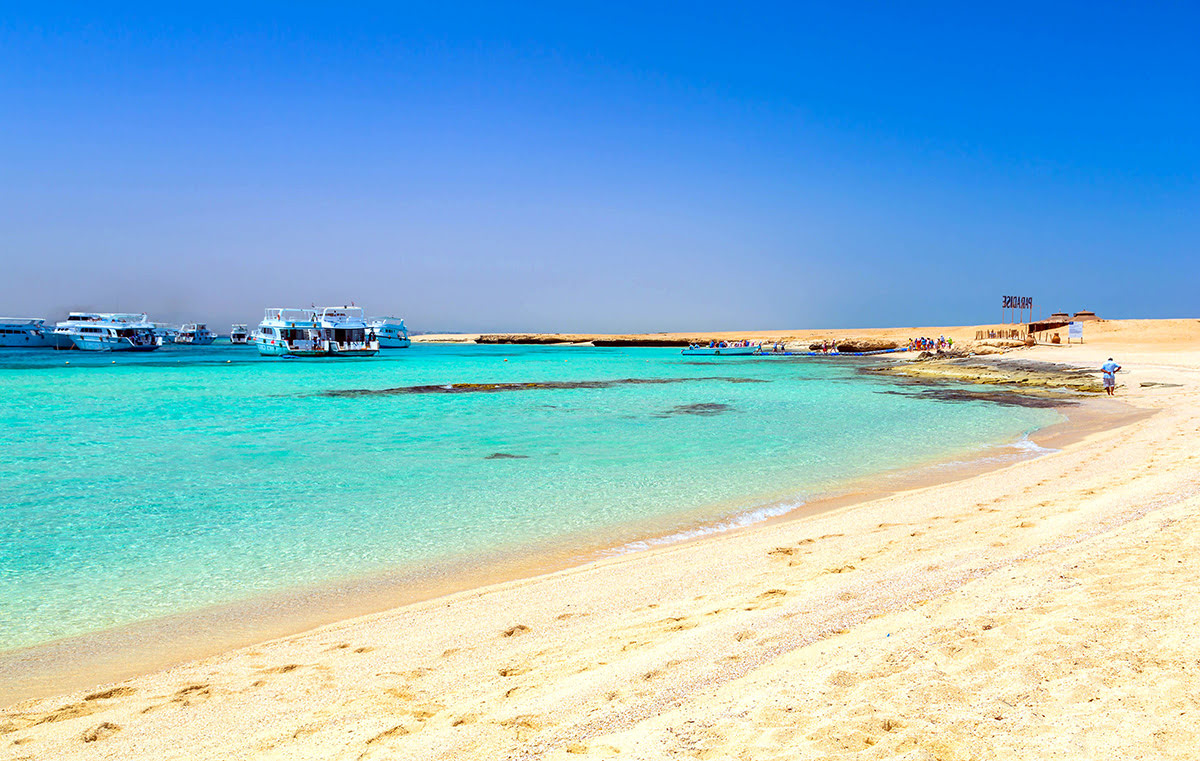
[1050, 609]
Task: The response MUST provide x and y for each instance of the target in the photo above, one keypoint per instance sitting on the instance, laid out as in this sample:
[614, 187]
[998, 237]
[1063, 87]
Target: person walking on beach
[1109, 369]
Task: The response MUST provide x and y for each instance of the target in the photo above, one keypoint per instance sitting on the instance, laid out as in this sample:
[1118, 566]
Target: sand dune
[1049, 609]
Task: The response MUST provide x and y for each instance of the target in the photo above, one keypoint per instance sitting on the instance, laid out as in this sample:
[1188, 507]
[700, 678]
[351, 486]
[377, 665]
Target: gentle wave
[741, 520]
[1025, 444]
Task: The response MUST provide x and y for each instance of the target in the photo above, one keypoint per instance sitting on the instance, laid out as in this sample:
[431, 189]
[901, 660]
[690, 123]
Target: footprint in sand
[676, 623]
[514, 631]
[100, 732]
[514, 670]
[69, 711]
[841, 569]
[771, 595]
[115, 692]
[192, 693]
[396, 731]
[524, 724]
[400, 693]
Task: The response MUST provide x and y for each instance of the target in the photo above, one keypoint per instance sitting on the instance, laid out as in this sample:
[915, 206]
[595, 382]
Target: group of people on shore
[728, 344]
[941, 343]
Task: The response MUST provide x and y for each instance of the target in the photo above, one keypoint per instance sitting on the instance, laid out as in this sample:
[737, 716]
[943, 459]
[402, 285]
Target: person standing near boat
[1109, 370]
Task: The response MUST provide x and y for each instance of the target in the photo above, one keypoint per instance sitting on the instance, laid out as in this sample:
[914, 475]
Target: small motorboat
[722, 349]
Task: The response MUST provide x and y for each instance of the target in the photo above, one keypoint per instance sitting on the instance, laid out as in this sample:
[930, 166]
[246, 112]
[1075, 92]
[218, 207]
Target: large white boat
[238, 334]
[390, 332]
[109, 331]
[195, 333]
[25, 332]
[315, 332]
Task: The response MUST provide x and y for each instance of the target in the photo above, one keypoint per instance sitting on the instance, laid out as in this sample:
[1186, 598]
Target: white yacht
[390, 332]
[24, 332]
[315, 332]
[195, 333]
[109, 331]
[166, 333]
[239, 335]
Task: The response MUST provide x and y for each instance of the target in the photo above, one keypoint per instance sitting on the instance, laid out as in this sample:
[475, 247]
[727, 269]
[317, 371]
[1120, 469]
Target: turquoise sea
[134, 487]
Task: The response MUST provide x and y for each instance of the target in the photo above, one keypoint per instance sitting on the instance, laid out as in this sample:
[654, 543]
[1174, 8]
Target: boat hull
[59, 341]
[393, 343]
[108, 343]
[739, 351]
[271, 347]
[24, 340]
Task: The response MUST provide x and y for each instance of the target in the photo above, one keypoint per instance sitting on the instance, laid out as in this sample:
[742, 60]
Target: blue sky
[601, 166]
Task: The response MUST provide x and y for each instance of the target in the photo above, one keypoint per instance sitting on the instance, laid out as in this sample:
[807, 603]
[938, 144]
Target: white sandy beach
[1050, 609]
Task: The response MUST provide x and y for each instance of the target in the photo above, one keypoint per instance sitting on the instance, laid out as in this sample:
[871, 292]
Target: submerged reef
[703, 409]
[1005, 398]
[491, 388]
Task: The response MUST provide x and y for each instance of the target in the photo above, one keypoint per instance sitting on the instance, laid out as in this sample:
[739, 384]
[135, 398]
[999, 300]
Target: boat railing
[287, 314]
[126, 318]
[340, 314]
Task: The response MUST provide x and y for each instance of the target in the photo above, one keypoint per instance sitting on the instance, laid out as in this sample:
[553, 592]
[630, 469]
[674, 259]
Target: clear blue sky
[607, 167]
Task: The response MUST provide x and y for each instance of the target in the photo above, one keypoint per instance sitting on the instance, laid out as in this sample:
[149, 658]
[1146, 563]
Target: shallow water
[138, 486]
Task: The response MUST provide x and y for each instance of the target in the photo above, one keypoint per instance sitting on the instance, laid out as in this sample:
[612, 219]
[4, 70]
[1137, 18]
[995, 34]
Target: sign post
[1074, 330]
[1014, 307]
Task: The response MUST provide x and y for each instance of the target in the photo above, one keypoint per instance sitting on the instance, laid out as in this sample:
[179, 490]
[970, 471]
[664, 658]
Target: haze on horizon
[601, 168]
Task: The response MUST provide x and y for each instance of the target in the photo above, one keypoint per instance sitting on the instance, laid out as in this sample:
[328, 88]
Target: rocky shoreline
[1028, 376]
